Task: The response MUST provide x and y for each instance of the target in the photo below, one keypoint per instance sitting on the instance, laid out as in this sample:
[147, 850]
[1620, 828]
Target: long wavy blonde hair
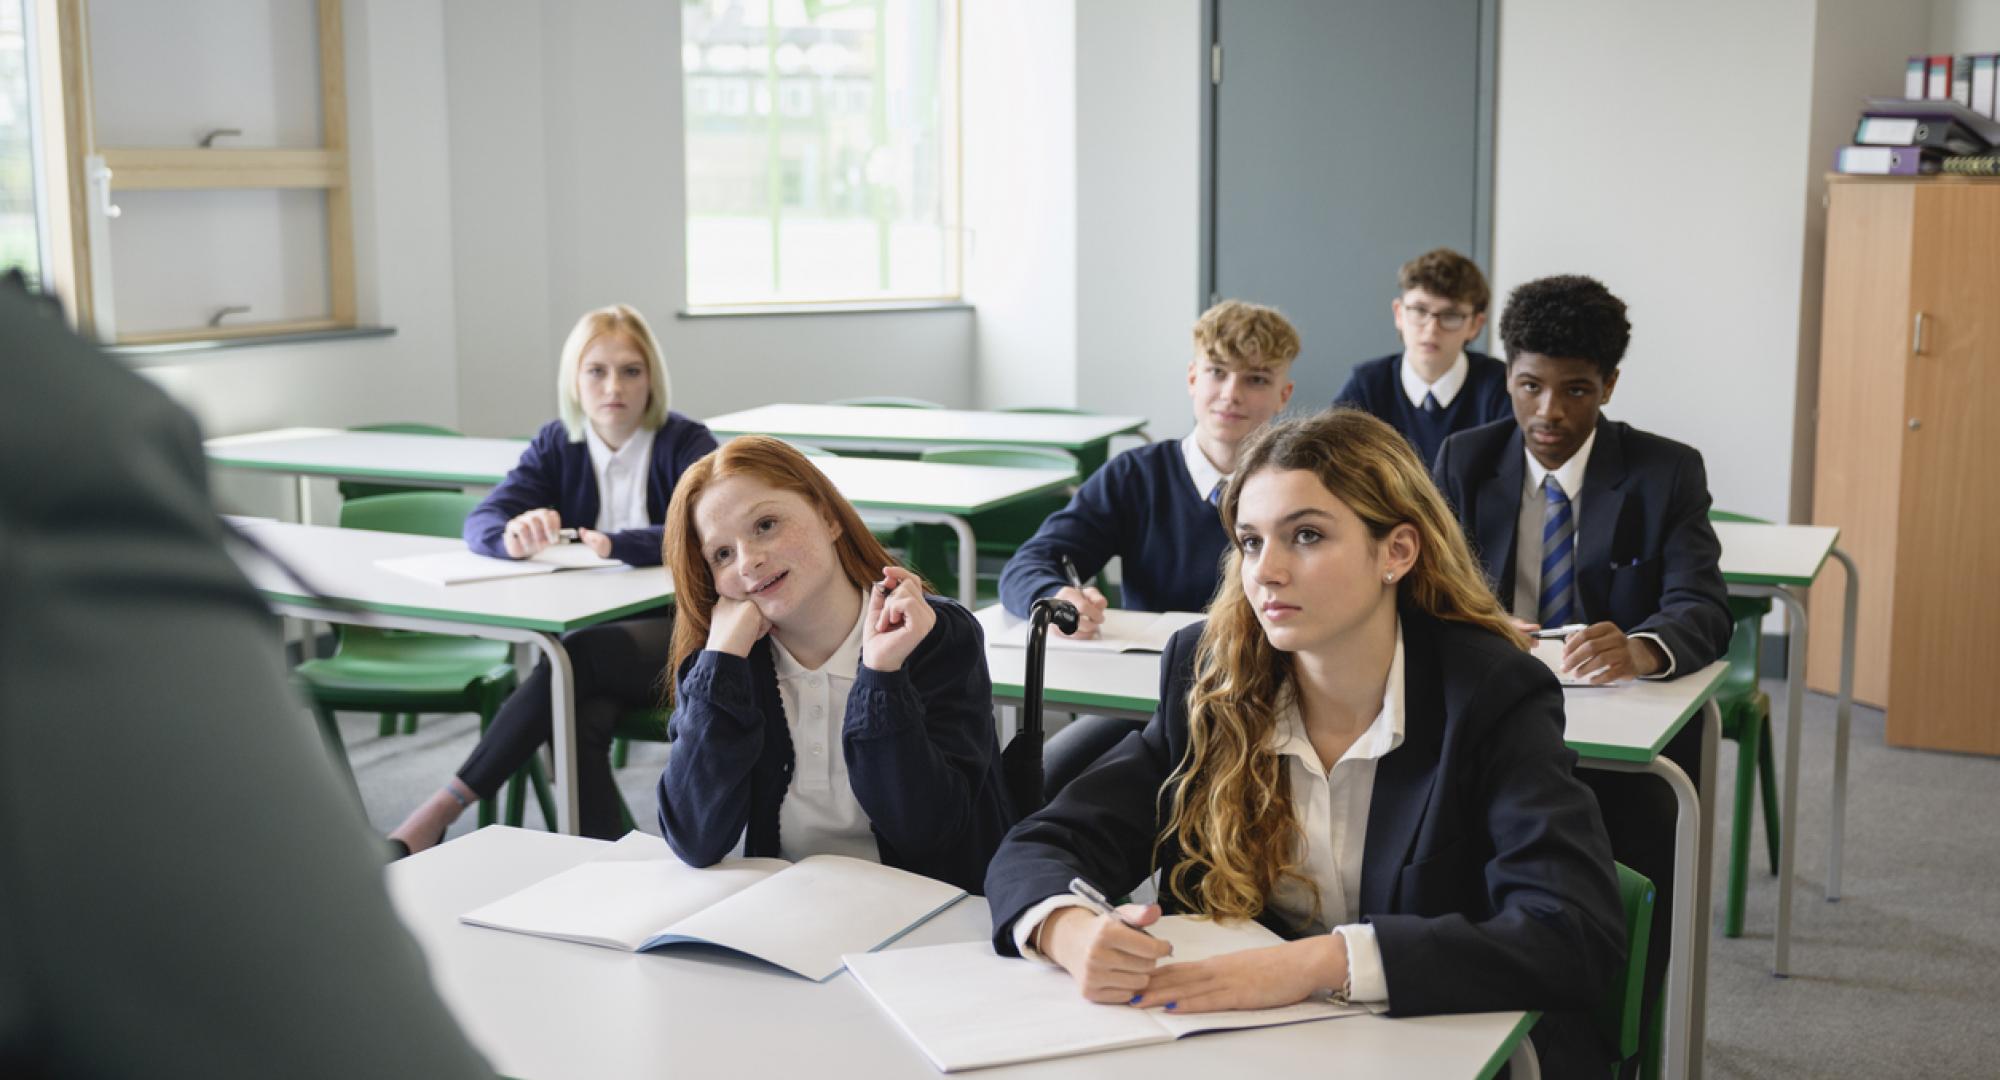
[1232, 814]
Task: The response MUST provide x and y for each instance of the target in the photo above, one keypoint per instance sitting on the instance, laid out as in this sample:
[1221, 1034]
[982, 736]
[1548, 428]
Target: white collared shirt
[621, 476]
[820, 814]
[1332, 806]
[1447, 386]
[1201, 470]
[1528, 537]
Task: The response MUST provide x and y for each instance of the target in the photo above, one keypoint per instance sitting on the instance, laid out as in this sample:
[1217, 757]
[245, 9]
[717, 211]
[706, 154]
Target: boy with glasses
[1434, 387]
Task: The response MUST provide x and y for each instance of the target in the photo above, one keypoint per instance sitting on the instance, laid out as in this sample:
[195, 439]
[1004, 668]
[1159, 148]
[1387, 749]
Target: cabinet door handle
[1917, 335]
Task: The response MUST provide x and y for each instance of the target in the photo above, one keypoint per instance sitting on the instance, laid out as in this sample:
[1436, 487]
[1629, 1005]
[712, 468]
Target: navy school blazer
[921, 753]
[1646, 556]
[555, 472]
[1487, 874]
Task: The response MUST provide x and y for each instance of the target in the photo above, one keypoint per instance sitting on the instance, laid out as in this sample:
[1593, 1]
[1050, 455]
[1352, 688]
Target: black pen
[1069, 568]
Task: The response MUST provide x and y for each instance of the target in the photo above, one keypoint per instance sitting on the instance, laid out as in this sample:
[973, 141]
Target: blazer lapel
[1603, 499]
[1499, 503]
[1403, 779]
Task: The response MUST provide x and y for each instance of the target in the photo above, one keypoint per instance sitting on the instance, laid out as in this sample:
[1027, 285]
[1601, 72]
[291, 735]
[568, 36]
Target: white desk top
[1629, 722]
[868, 483]
[925, 427]
[1760, 554]
[369, 455]
[341, 563]
[545, 1010]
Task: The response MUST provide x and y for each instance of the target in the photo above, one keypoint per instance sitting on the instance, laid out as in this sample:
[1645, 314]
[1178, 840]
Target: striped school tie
[1215, 493]
[1558, 607]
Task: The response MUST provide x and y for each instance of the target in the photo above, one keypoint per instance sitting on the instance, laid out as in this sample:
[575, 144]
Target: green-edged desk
[548, 1010]
[861, 427]
[1619, 728]
[536, 611]
[931, 493]
[1772, 561]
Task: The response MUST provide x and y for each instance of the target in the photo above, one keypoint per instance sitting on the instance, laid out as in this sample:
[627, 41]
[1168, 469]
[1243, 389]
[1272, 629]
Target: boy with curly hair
[1591, 523]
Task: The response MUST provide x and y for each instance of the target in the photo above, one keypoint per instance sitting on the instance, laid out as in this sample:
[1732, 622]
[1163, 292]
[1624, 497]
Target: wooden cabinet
[1908, 453]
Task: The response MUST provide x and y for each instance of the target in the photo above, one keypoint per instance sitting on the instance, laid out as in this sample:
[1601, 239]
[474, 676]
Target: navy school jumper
[1142, 507]
[555, 473]
[1376, 387]
[921, 754]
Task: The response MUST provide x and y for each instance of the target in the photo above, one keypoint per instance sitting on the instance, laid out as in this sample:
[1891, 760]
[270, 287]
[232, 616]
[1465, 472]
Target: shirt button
[818, 749]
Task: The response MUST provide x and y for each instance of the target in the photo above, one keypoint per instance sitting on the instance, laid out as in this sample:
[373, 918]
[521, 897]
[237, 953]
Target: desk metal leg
[968, 555]
[1688, 968]
[1788, 810]
[562, 729]
[1837, 835]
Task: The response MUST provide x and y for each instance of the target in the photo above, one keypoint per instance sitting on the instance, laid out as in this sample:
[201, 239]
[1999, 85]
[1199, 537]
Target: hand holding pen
[898, 619]
[534, 531]
[1090, 604]
[1107, 950]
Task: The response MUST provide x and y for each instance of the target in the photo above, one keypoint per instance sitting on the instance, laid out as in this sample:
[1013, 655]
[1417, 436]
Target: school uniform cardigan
[1486, 871]
[555, 473]
[1376, 387]
[921, 755]
[1143, 508]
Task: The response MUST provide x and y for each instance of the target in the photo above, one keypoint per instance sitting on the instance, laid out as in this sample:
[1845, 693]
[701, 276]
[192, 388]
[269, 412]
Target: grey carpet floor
[1899, 978]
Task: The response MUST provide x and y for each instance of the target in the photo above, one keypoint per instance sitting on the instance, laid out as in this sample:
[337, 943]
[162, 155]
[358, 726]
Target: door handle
[1917, 335]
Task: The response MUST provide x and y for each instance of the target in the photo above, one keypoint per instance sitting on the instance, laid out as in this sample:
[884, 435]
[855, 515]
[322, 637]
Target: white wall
[1020, 163]
[1139, 66]
[569, 192]
[1963, 26]
[397, 128]
[1700, 218]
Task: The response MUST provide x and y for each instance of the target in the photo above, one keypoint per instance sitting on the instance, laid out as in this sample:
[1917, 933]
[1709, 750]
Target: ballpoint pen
[1549, 632]
[1069, 568]
[1095, 901]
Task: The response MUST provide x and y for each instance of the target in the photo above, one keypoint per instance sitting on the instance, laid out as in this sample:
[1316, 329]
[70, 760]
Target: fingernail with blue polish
[1171, 1004]
[1135, 999]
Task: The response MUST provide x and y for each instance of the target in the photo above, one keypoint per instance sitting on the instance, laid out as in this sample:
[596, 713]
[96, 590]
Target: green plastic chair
[1746, 718]
[887, 401]
[356, 489]
[641, 725]
[1000, 532]
[402, 671]
[1619, 1015]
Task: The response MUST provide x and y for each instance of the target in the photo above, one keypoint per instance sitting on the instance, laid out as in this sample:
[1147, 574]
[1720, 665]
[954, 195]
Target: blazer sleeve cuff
[637, 547]
[1668, 672]
[1365, 981]
[1032, 919]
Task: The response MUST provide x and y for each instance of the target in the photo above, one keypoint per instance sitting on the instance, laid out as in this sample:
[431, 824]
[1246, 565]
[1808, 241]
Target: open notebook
[800, 916]
[1002, 1010]
[460, 567]
[1124, 631]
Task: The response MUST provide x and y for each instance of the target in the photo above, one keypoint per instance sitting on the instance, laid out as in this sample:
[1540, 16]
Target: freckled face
[768, 546]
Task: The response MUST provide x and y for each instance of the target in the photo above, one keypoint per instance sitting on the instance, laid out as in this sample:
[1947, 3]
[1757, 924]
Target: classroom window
[822, 150]
[21, 233]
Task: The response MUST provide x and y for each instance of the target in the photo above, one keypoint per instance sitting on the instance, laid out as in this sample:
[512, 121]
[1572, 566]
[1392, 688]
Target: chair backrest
[407, 428]
[1618, 1016]
[1051, 410]
[1006, 457]
[809, 449]
[423, 513]
[888, 402]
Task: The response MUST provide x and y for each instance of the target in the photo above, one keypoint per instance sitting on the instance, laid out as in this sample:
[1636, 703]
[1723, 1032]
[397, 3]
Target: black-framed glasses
[1446, 320]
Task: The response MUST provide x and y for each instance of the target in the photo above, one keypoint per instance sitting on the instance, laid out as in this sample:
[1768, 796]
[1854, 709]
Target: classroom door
[1345, 138]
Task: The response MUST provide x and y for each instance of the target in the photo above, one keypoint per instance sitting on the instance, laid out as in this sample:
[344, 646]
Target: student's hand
[1090, 605]
[898, 619]
[735, 625]
[1251, 979]
[1601, 653]
[597, 542]
[531, 532]
[1111, 962]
